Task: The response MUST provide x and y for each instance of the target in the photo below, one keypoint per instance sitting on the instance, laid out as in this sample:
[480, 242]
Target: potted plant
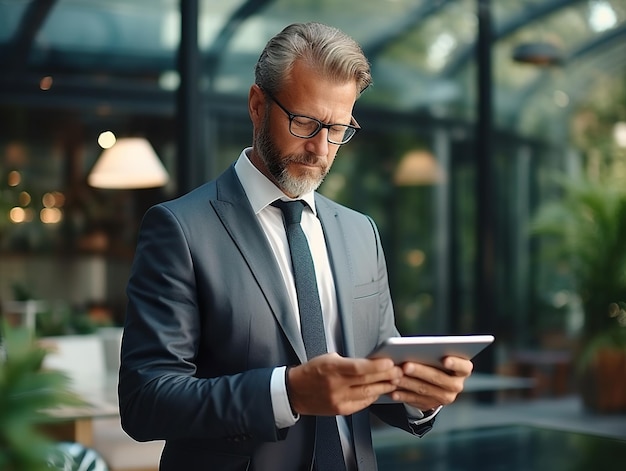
[603, 366]
[588, 226]
[26, 391]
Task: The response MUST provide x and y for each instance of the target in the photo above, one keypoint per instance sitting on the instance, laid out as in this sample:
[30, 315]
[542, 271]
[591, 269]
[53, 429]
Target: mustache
[307, 159]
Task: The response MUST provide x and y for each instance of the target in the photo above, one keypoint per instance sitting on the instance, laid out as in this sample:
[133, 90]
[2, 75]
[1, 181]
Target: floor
[508, 435]
[565, 413]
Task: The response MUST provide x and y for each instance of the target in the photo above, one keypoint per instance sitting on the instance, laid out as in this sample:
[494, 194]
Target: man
[213, 357]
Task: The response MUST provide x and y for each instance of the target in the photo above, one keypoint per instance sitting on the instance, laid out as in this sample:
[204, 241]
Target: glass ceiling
[422, 51]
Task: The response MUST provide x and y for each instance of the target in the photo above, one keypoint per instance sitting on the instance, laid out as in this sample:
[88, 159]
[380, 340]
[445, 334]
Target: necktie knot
[292, 210]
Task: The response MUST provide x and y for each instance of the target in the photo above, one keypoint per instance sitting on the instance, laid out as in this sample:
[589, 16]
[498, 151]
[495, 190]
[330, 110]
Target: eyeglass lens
[302, 126]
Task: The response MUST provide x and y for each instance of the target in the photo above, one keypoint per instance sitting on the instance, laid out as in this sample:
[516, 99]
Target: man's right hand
[333, 385]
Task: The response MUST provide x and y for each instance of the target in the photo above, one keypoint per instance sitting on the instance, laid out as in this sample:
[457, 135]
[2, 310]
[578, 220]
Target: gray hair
[328, 50]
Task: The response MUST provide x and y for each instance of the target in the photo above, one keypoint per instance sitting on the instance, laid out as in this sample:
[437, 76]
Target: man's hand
[333, 385]
[426, 387]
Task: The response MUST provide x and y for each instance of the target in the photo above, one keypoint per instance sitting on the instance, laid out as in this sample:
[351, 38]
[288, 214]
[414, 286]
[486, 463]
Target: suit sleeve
[160, 394]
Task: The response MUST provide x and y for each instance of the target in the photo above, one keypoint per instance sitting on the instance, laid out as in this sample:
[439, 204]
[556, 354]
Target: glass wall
[74, 69]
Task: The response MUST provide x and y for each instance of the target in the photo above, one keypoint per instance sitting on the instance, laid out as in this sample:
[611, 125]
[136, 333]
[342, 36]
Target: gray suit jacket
[208, 320]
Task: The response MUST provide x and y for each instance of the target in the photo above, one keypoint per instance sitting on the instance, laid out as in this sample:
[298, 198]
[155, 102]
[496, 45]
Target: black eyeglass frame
[354, 125]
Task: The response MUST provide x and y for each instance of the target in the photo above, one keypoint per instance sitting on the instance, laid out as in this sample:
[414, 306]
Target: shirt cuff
[283, 416]
[418, 417]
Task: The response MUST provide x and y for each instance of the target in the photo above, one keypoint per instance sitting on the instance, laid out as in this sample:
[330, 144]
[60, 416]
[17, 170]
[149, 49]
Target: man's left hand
[426, 387]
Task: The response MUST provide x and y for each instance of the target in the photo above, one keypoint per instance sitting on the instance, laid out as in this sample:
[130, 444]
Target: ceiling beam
[19, 48]
[532, 14]
[220, 44]
[408, 22]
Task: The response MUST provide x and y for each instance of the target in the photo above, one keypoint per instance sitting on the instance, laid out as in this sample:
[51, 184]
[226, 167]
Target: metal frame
[18, 50]
[507, 29]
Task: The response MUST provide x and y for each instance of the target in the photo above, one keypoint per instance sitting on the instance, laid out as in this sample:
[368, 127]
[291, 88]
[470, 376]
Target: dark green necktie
[328, 453]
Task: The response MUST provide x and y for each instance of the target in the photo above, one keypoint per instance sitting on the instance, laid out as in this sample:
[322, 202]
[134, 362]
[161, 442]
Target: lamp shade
[538, 53]
[418, 167]
[130, 163]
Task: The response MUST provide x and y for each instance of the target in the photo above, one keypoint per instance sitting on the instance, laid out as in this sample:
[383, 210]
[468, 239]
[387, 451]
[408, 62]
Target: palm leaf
[26, 391]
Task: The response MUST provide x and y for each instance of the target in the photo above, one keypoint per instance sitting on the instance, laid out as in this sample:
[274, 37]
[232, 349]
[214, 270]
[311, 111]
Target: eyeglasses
[306, 127]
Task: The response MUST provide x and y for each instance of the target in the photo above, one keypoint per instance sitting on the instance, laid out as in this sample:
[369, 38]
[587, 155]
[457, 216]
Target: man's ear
[256, 104]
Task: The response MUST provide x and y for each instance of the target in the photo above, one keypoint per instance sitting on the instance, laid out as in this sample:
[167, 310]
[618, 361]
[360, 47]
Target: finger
[355, 377]
[424, 372]
[437, 376]
[420, 402]
[362, 366]
[362, 396]
[460, 366]
[433, 392]
[426, 380]
[371, 391]
[361, 370]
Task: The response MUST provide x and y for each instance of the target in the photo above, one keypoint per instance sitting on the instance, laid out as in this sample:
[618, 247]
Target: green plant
[22, 292]
[26, 391]
[588, 228]
[586, 231]
[63, 320]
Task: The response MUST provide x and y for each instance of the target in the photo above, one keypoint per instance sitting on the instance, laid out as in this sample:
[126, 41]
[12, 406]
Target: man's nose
[318, 144]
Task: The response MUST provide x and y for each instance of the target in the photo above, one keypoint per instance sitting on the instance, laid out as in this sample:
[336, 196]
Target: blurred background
[492, 156]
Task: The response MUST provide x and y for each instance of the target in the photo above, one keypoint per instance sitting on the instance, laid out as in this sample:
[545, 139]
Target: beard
[278, 165]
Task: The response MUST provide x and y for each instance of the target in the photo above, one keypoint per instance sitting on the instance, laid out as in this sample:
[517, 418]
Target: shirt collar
[261, 191]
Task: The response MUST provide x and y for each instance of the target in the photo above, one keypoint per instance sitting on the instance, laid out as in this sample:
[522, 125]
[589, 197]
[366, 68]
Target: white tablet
[430, 350]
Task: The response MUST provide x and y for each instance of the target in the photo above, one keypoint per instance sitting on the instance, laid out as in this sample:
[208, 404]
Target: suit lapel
[338, 252]
[234, 210]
